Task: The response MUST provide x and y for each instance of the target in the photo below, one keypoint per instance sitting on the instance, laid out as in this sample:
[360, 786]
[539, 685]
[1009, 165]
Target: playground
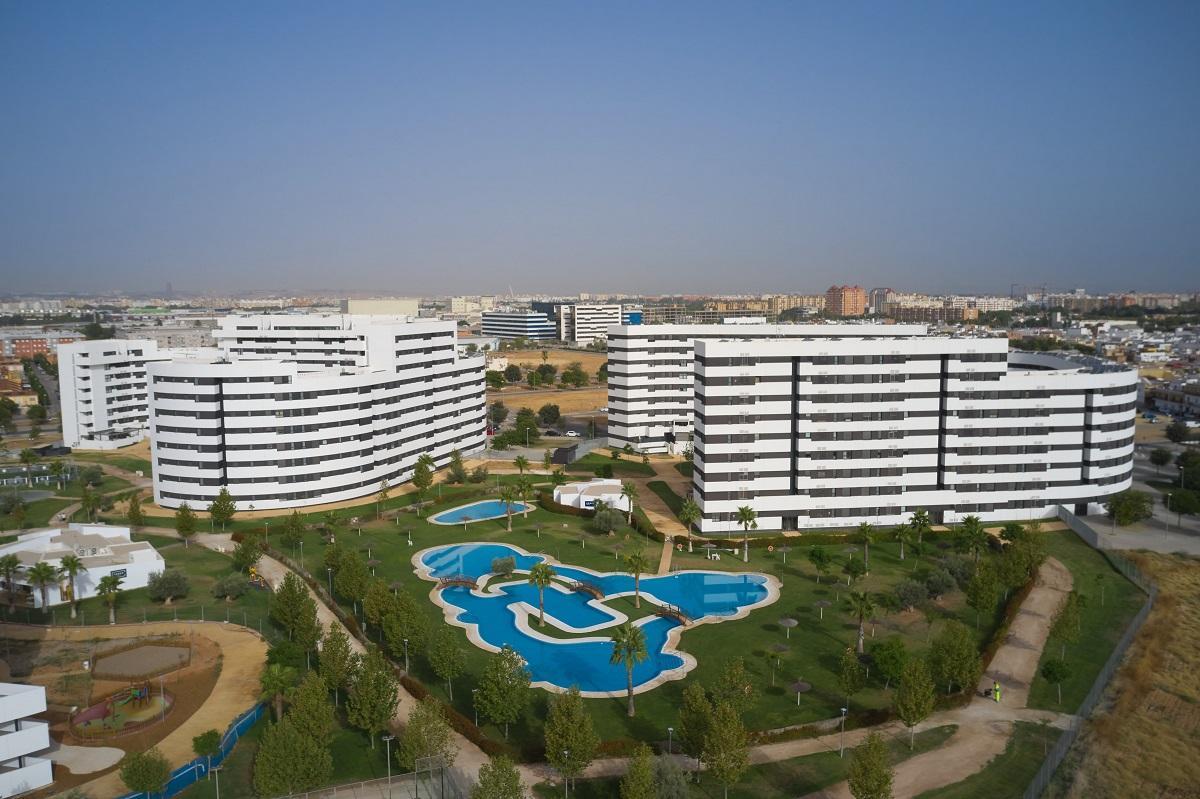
[131, 708]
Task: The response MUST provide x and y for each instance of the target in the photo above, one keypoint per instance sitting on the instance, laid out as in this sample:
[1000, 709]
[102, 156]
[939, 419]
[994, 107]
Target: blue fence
[186, 775]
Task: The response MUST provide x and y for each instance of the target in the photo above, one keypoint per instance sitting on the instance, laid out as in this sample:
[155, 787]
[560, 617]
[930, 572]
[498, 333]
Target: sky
[559, 147]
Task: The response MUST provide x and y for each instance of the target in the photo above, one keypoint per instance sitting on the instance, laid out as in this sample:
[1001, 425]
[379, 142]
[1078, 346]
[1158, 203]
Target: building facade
[519, 324]
[846, 301]
[302, 410]
[583, 324]
[23, 739]
[102, 391]
[831, 432]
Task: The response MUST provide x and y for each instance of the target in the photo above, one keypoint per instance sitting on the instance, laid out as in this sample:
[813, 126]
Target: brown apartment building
[846, 301]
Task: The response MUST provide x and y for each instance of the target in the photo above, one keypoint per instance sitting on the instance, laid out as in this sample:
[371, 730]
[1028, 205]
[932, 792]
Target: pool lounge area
[506, 613]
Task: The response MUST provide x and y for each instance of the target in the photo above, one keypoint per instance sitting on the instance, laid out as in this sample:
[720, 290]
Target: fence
[434, 782]
[59, 616]
[1058, 753]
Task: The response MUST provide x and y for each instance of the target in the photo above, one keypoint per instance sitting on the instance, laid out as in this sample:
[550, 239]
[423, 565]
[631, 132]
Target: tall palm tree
[28, 457]
[57, 469]
[522, 463]
[10, 567]
[748, 520]
[920, 524]
[637, 564]
[629, 491]
[508, 495]
[426, 459]
[865, 529]
[43, 575]
[629, 649]
[525, 492]
[275, 681]
[862, 606]
[541, 575]
[71, 565]
[109, 587]
[689, 514]
[972, 537]
[903, 534]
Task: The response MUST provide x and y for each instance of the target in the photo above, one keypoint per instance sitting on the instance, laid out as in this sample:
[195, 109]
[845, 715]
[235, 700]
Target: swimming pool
[477, 512]
[507, 614]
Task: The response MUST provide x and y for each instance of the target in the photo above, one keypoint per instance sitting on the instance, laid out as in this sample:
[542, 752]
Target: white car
[604, 409]
[572, 434]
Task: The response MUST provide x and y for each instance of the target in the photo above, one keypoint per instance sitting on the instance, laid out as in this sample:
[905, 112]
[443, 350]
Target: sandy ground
[568, 400]
[561, 358]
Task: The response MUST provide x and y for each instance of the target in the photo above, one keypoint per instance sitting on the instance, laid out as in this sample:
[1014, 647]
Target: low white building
[104, 550]
[585, 495]
[21, 738]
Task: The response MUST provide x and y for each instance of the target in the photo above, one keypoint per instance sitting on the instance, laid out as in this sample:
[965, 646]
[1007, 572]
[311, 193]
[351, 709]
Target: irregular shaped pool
[507, 614]
[477, 512]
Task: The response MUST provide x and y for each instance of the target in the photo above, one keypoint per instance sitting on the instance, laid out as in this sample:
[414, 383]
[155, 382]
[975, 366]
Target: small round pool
[482, 511]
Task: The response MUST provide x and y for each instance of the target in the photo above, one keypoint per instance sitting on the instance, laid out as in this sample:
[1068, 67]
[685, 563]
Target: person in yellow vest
[996, 690]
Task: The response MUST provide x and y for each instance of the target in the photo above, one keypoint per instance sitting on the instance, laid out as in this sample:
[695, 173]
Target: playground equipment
[257, 581]
[136, 706]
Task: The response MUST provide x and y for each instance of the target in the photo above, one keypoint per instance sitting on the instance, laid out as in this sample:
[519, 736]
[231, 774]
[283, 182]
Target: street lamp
[406, 656]
[387, 741]
[670, 740]
[842, 735]
[566, 782]
[329, 573]
[216, 770]
[474, 692]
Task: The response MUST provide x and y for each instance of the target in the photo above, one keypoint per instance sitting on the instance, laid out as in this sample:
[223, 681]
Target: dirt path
[244, 653]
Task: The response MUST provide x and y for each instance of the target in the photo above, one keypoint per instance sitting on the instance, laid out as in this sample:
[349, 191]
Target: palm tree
[862, 606]
[71, 565]
[525, 492]
[637, 564]
[689, 514]
[89, 502]
[629, 649]
[426, 459]
[629, 491]
[558, 478]
[904, 534]
[541, 575]
[865, 529]
[747, 518]
[522, 463]
[109, 587]
[57, 468]
[508, 495]
[972, 536]
[28, 457]
[275, 681]
[10, 567]
[42, 574]
[920, 523]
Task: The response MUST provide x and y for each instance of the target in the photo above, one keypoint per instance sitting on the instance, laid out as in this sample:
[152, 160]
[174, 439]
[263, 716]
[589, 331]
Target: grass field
[664, 492]
[568, 400]
[108, 485]
[786, 778]
[625, 466]
[1008, 774]
[684, 468]
[128, 462]
[37, 514]
[558, 357]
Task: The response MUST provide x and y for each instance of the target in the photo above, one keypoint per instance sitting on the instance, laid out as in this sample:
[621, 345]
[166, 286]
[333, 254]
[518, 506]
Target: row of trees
[544, 374]
[42, 575]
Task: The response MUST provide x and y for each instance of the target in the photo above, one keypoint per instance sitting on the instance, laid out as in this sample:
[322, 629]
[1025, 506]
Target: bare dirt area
[1145, 739]
[568, 400]
[141, 661]
[526, 359]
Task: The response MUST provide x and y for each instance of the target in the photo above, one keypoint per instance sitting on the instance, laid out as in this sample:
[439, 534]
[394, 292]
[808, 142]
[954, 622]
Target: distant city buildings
[392, 306]
[519, 324]
[29, 343]
[845, 301]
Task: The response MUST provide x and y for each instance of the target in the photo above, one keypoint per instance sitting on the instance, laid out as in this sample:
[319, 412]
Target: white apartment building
[532, 325]
[103, 549]
[22, 738]
[102, 387]
[301, 410]
[651, 374]
[583, 324]
[831, 432]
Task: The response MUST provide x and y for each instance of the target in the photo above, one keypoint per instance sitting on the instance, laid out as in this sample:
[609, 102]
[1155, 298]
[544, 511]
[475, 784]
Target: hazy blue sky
[559, 146]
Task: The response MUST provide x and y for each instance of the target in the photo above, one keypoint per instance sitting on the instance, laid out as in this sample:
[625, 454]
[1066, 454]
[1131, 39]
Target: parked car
[552, 433]
[572, 434]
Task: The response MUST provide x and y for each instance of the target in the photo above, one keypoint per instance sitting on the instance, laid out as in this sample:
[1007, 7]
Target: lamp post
[474, 704]
[387, 741]
[302, 566]
[329, 574]
[842, 735]
[566, 781]
[406, 656]
[216, 770]
[670, 740]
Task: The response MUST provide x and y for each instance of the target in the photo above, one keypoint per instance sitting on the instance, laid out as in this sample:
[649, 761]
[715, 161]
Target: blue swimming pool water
[477, 512]
[582, 662]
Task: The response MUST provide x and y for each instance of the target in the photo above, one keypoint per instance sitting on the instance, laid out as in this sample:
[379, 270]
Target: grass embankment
[129, 463]
[664, 492]
[624, 466]
[684, 468]
[786, 778]
[108, 485]
[37, 514]
[1008, 774]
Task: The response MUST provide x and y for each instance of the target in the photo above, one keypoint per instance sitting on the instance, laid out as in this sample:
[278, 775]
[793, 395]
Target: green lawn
[108, 485]
[684, 468]
[667, 495]
[785, 778]
[127, 462]
[37, 514]
[627, 465]
[1102, 625]
[1008, 774]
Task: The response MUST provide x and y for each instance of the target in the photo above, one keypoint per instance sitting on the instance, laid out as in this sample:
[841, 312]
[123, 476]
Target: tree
[456, 472]
[497, 412]
[725, 749]
[352, 577]
[630, 492]
[288, 761]
[910, 593]
[10, 567]
[504, 688]
[309, 708]
[422, 479]
[289, 606]
[548, 460]
[512, 373]
[1056, 671]
[870, 773]
[747, 519]
[247, 553]
[574, 375]
[861, 607]
[1129, 506]
[447, 658]
[670, 780]
[983, 590]
[1160, 457]
[541, 575]
[426, 735]
[336, 659]
[185, 522]
[606, 519]
[205, 745]
[972, 537]
[405, 622]
[549, 414]
[735, 686]
[903, 535]
[381, 496]
[854, 570]
[90, 502]
[508, 495]
[109, 587]
[954, 660]
[1183, 501]
[377, 601]
[820, 560]
[146, 772]
[920, 524]
[70, 566]
[890, 657]
[498, 779]
[495, 379]
[689, 513]
[168, 585]
[43, 575]
[293, 529]
[914, 698]
[275, 681]
[1177, 431]
[522, 463]
[1188, 463]
[558, 478]
[1068, 621]
[851, 674]
[222, 508]
[638, 782]
[571, 739]
[373, 698]
[28, 457]
[637, 564]
[133, 511]
[629, 649]
[695, 719]
[525, 494]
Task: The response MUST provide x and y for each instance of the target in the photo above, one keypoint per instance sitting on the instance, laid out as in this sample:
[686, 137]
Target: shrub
[605, 471]
[478, 474]
[910, 593]
[231, 586]
[960, 567]
[286, 653]
[167, 585]
[607, 520]
[939, 582]
[504, 566]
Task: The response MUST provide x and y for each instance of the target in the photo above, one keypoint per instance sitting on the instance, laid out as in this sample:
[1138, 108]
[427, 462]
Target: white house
[102, 548]
[585, 495]
[20, 738]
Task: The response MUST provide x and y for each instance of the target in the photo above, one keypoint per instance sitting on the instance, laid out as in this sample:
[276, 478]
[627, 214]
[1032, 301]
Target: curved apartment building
[834, 430]
[301, 410]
